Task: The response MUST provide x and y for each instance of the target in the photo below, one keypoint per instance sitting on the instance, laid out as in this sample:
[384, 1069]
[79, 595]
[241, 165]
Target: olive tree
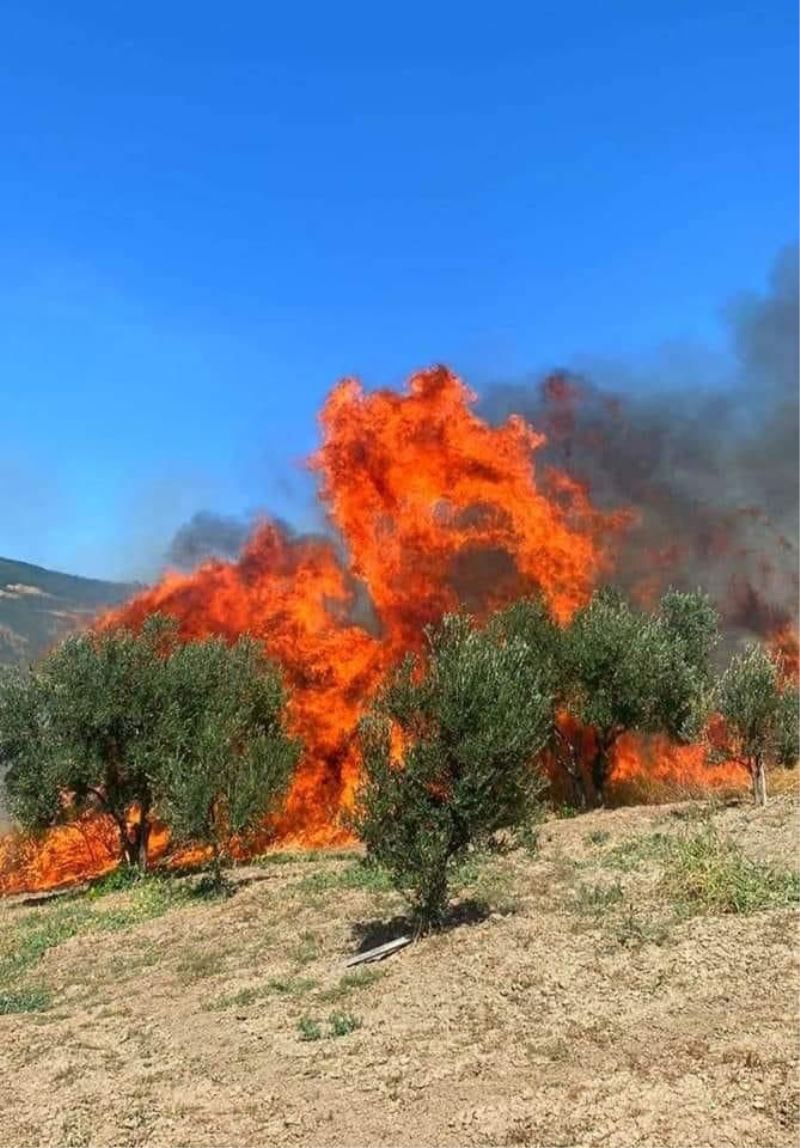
[449, 750]
[231, 759]
[629, 670]
[135, 725]
[530, 620]
[760, 715]
[85, 729]
[787, 742]
[29, 754]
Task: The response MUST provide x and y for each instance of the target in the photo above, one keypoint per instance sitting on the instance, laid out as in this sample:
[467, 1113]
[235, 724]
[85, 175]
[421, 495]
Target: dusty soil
[585, 1009]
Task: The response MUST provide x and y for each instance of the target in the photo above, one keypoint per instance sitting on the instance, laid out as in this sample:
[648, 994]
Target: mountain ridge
[39, 606]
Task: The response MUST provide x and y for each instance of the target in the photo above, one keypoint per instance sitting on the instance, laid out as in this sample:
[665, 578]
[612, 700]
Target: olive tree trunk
[759, 776]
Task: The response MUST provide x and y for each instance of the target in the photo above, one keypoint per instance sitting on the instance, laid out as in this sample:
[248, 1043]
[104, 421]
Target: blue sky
[209, 213]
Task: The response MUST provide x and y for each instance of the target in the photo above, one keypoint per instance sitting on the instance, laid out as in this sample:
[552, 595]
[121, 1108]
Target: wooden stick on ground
[378, 953]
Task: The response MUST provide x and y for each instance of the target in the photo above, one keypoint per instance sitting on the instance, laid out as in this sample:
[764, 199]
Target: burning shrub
[472, 720]
[232, 759]
[130, 724]
[761, 717]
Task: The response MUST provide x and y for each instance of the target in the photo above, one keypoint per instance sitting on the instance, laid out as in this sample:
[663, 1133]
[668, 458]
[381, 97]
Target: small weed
[195, 966]
[339, 1024]
[634, 931]
[520, 1132]
[306, 949]
[234, 1000]
[495, 889]
[527, 837]
[598, 899]
[24, 1000]
[293, 987]
[213, 887]
[351, 982]
[707, 873]
[702, 811]
[132, 961]
[309, 1029]
[68, 1075]
[149, 898]
[76, 1130]
[244, 997]
[556, 1049]
[597, 837]
[270, 860]
[564, 866]
[343, 1023]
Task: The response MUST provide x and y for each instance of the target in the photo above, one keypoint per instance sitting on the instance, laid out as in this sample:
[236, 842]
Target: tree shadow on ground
[370, 934]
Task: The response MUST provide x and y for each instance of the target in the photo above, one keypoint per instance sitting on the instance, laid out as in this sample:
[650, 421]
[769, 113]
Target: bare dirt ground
[593, 1005]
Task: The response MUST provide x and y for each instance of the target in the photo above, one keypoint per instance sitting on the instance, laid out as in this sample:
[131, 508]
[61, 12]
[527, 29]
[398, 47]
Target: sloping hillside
[634, 982]
[38, 606]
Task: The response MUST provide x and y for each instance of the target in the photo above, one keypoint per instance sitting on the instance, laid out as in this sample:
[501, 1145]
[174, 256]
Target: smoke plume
[207, 535]
[711, 472]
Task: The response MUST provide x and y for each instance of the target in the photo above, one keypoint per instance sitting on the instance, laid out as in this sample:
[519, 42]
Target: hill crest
[38, 606]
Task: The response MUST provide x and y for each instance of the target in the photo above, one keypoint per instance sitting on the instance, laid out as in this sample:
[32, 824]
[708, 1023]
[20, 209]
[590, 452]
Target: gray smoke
[710, 470]
[207, 535]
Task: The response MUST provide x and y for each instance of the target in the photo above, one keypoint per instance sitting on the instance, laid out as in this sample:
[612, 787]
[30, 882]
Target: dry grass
[611, 989]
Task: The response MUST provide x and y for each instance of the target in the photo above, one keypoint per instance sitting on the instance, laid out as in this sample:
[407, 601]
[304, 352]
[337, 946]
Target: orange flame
[646, 768]
[784, 642]
[435, 510]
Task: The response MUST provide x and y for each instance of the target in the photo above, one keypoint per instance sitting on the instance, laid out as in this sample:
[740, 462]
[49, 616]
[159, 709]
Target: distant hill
[38, 606]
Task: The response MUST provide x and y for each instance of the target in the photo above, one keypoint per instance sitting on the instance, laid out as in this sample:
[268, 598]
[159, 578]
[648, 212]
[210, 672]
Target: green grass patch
[302, 856]
[150, 898]
[291, 987]
[239, 999]
[24, 1000]
[636, 851]
[707, 873]
[117, 881]
[50, 925]
[470, 870]
[359, 875]
[42, 930]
